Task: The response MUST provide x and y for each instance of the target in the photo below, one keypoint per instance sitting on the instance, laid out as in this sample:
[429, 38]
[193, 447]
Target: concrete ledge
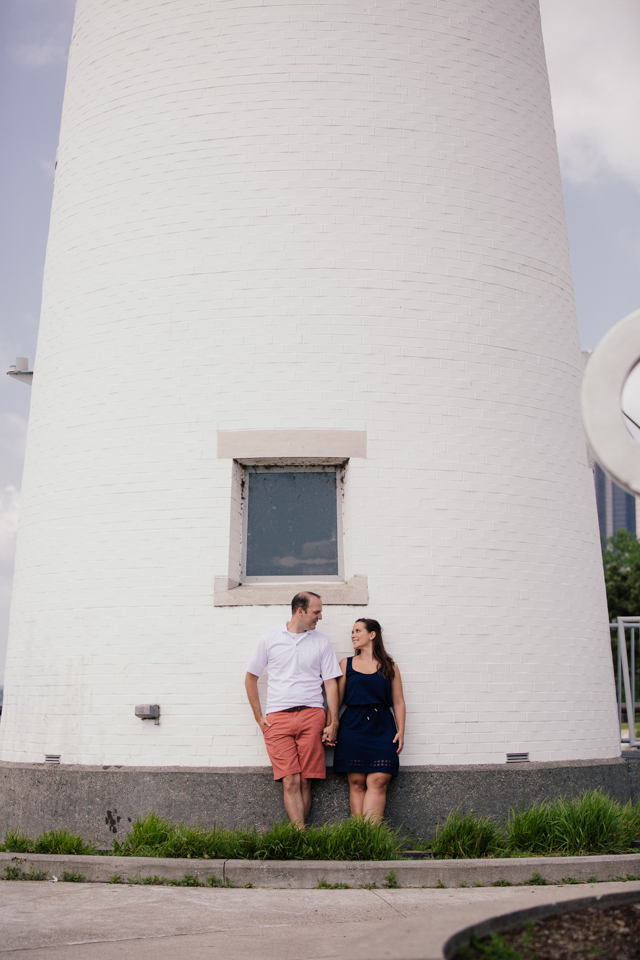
[101, 869]
[101, 802]
[249, 445]
[430, 873]
[229, 593]
[305, 874]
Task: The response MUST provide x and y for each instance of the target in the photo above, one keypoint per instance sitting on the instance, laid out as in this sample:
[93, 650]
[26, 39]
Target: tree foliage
[621, 558]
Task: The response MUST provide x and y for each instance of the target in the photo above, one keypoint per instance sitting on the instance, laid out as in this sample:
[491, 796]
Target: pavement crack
[389, 903]
[80, 943]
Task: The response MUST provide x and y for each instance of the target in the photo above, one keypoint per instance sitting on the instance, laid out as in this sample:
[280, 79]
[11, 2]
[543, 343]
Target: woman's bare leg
[375, 796]
[357, 788]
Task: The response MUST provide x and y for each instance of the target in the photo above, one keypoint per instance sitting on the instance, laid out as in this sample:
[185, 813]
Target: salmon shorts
[294, 743]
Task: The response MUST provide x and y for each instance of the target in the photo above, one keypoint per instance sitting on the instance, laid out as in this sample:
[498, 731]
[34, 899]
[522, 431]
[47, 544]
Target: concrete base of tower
[101, 802]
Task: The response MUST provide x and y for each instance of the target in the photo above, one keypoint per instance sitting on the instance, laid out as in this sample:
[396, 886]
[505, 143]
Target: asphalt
[92, 921]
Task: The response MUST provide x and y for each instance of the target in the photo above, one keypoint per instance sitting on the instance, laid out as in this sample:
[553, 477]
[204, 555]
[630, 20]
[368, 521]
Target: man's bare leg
[294, 801]
[305, 789]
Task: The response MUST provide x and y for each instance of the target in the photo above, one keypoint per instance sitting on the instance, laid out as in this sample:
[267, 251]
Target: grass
[495, 947]
[353, 839]
[188, 880]
[624, 730]
[591, 823]
[15, 873]
[467, 836]
[391, 881]
[51, 841]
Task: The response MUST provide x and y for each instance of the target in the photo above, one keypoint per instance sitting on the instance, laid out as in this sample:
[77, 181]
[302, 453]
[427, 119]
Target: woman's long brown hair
[379, 652]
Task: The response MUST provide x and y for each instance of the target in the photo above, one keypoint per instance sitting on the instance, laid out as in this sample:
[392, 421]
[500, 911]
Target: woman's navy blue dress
[367, 726]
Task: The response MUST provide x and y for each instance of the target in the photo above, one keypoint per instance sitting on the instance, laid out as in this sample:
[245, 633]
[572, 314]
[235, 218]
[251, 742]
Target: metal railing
[626, 673]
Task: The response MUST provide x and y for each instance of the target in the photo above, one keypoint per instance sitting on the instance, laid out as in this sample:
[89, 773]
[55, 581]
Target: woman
[369, 740]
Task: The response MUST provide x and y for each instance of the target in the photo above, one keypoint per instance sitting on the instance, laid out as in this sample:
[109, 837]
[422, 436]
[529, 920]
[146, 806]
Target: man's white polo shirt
[296, 667]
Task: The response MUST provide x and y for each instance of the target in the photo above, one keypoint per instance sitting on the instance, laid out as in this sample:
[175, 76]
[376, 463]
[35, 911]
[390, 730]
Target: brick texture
[308, 215]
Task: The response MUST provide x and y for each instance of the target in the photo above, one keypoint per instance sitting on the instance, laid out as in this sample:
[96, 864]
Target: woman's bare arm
[342, 681]
[399, 708]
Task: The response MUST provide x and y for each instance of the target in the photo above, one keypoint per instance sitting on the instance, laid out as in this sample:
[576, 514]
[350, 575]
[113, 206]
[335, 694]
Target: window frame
[293, 467]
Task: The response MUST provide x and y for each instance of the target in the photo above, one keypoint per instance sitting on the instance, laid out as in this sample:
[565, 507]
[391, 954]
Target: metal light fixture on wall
[20, 371]
[149, 711]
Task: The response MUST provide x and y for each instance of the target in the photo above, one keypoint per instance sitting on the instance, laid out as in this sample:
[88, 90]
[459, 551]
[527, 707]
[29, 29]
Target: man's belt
[295, 709]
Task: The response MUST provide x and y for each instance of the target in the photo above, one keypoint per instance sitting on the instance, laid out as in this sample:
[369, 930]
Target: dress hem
[367, 768]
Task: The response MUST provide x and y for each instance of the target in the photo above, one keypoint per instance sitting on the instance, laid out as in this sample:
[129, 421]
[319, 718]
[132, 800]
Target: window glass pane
[292, 524]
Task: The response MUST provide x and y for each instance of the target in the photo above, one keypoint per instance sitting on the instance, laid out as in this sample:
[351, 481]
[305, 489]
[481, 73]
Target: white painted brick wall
[308, 215]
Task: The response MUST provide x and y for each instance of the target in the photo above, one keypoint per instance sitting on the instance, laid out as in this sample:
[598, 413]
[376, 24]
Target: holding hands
[330, 734]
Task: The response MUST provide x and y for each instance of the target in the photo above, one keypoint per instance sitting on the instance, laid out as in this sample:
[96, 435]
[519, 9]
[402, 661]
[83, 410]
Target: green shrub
[353, 839]
[494, 948]
[592, 823]
[63, 842]
[632, 819]
[468, 836]
[154, 836]
[15, 841]
[15, 873]
[52, 841]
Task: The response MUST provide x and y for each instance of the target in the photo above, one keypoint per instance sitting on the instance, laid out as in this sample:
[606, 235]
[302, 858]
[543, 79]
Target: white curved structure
[602, 394]
[307, 216]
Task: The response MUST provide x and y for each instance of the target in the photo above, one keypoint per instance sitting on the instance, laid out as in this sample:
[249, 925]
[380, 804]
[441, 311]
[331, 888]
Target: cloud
[9, 509]
[41, 32]
[40, 53]
[13, 438]
[13, 429]
[48, 167]
[594, 71]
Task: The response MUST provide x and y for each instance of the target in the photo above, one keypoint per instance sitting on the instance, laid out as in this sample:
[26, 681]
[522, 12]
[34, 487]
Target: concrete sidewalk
[56, 921]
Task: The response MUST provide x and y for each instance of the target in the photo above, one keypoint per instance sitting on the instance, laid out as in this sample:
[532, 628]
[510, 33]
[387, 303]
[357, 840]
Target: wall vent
[517, 758]
[52, 757]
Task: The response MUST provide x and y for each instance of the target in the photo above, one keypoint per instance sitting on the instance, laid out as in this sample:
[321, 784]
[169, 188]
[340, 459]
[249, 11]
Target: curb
[306, 874]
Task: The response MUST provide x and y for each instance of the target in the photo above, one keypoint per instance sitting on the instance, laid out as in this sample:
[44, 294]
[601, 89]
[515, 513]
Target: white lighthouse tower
[307, 319]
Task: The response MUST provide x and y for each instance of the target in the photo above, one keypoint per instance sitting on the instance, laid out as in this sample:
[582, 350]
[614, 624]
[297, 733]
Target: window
[292, 523]
[289, 489]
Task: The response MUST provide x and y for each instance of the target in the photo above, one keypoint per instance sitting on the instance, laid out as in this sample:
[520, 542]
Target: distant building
[616, 507]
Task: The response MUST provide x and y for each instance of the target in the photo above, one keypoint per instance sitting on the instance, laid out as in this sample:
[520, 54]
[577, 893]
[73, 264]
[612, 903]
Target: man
[299, 659]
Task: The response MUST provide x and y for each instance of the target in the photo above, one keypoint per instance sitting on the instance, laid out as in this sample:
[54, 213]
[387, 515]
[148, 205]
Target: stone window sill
[228, 593]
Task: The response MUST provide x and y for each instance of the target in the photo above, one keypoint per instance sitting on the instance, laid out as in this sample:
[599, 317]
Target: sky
[593, 56]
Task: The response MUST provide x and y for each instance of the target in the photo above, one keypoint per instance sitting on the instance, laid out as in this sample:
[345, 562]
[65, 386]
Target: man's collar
[285, 629]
